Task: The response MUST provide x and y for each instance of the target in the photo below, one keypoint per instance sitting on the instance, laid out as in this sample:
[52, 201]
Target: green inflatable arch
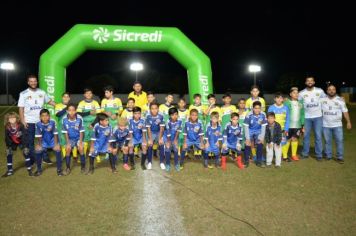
[80, 38]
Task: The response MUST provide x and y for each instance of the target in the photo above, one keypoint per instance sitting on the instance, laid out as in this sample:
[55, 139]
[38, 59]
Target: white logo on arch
[101, 35]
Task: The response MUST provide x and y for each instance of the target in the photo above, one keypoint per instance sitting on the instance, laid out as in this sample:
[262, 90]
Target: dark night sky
[285, 40]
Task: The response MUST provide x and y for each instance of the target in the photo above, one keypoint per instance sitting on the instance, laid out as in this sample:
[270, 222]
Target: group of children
[213, 132]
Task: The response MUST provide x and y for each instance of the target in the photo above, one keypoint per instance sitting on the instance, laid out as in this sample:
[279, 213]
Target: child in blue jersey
[100, 140]
[255, 130]
[232, 141]
[119, 142]
[47, 137]
[155, 127]
[137, 129]
[193, 134]
[170, 138]
[213, 138]
[73, 130]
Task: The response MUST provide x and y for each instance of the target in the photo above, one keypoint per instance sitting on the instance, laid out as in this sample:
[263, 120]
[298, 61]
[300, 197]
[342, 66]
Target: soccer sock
[45, 154]
[285, 149]
[143, 159]
[259, 152]
[114, 158]
[58, 160]
[294, 148]
[82, 159]
[132, 160]
[27, 160]
[154, 149]
[161, 153]
[247, 154]
[39, 160]
[182, 156]
[253, 151]
[149, 154]
[111, 159]
[9, 162]
[216, 159]
[176, 157]
[168, 157]
[126, 158]
[91, 162]
[75, 152]
[85, 148]
[68, 161]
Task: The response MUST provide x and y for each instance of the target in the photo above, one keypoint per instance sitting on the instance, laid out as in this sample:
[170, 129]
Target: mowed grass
[301, 198]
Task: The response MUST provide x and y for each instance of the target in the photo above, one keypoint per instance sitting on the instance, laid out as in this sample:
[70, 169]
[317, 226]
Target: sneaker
[246, 165]
[304, 157]
[269, 166]
[47, 161]
[68, 171]
[60, 173]
[149, 166]
[340, 161]
[163, 167]
[319, 159]
[168, 168]
[82, 170]
[98, 160]
[181, 166]
[7, 174]
[329, 158]
[295, 158]
[278, 166]
[38, 173]
[107, 156]
[90, 171]
[126, 166]
[177, 167]
[114, 170]
[210, 166]
[143, 167]
[133, 167]
[30, 173]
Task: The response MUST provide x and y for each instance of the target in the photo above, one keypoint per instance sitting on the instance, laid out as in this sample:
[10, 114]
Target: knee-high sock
[259, 150]
[45, 155]
[149, 154]
[168, 157]
[58, 160]
[39, 160]
[27, 160]
[114, 158]
[125, 158]
[9, 162]
[247, 154]
[75, 152]
[132, 159]
[82, 159]
[182, 156]
[161, 153]
[143, 159]
[85, 148]
[285, 149]
[294, 148]
[111, 159]
[91, 162]
[68, 157]
[176, 157]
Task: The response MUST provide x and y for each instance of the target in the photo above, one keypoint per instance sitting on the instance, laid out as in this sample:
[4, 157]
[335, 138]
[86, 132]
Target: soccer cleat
[7, 174]
[149, 166]
[82, 170]
[60, 173]
[126, 166]
[163, 167]
[30, 173]
[340, 161]
[239, 162]
[177, 167]
[114, 170]
[304, 157]
[98, 159]
[295, 158]
[277, 166]
[181, 166]
[143, 167]
[90, 171]
[168, 168]
[210, 166]
[68, 171]
[133, 167]
[38, 173]
[48, 161]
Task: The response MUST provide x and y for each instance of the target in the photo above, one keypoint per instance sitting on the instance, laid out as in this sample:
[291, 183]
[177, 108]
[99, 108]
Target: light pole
[136, 66]
[7, 66]
[254, 69]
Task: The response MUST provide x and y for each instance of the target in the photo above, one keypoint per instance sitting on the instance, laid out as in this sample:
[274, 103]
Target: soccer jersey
[311, 101]
[213, 135]
[201, 108]
[61, 112]
[193, 131]
[101, 136]
[251, 100]
[127, 113]
[87, 106]
[163, 109]
[111, 105]
[32, 101]
[119, 135]
[145, 110]
[242, 115]
[332, 109]
[296, 114]
[47, 133]
[183, 115]
[73, 127]
[282, 115]
[213, 109]
[226, 114]
[140, 99]
[13, 135]
[136, 128]
[154, 122]
[254, 123]
[171, 129]
[232, 135]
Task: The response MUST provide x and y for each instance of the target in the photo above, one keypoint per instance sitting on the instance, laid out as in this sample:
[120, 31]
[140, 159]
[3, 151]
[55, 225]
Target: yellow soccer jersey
[183, 115]
[140, 100]
[201, 108]
[163, 109]
[250, 101]
[128, 114]
[59, 107]
[111, 105]
[85, 106]
[226, 114]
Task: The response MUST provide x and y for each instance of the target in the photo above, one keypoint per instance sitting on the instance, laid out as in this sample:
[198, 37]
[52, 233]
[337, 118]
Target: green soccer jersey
[296, 114]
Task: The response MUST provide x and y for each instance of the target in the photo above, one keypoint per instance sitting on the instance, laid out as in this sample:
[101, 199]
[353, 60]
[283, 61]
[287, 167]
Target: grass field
[301, 198]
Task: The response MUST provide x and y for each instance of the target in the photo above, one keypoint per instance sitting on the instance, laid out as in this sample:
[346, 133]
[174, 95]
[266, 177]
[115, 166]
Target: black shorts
[294, 133]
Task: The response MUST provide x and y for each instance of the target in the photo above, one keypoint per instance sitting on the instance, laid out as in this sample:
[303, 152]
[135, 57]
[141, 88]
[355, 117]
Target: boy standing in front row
[273, 140]
[212, 138]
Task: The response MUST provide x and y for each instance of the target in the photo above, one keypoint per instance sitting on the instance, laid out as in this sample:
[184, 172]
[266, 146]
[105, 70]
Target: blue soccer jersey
[212, 136]
[172, 128]
[120, 135]
[73, 127]
[47, 133]
[101, 136]
[154, 122]
[137, 128]
[232, 135]
[193, 131]
[253, 124]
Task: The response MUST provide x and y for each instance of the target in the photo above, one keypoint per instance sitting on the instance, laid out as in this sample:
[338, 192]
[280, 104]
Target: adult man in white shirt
[313, 117]
[333, 107]
[30, 103]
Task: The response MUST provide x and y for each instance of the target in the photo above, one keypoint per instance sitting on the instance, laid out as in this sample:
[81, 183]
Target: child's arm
[161, 129]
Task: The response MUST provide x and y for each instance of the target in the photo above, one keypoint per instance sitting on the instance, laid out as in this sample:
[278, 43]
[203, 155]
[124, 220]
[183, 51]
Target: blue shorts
[194, 145]
[119, 145]
[99, 150]
[231, 148]
[213, 149]
[254, 138]
[73, 143]
[136, 142]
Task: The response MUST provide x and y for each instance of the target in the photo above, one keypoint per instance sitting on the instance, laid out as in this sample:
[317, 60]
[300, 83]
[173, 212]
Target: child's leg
[39, 160]
[26, 154]
[9, 155]
[269, 152]
[68, 156]
[161, 153]
[247, 155]
[259, 152]
[131, 157]
[176, 155]
[125, 156]
[294, 144]
[143, 157]
[239, 160]
[285, 149]
[205, 160]
[150, 154]
[278, 154]
[58, 160]
[168, 155]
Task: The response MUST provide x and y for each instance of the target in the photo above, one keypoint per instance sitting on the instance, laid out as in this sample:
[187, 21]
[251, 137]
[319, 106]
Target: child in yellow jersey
[212, 108]
[111, 106]
[255, 92]
[127, 112]
[163, 108]
[183, 115]
[201, 109]
[61, 111]
[88, 108]
[226, 110]
[150, 99]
